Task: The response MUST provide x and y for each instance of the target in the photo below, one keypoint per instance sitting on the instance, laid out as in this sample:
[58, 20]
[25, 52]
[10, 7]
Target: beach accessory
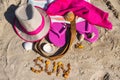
[43, 45]
[56, 18]
[82, 9]
[33, 23]
[57, 34]
[27, 46]
[40, 3]
[80, 40]
[48, 48]
[90, 31]
[71, 34]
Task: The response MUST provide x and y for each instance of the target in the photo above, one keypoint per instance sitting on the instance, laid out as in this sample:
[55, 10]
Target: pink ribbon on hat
[35, 31]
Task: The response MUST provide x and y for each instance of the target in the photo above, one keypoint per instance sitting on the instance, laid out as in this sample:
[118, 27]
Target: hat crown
[29, 17]
[34, 27]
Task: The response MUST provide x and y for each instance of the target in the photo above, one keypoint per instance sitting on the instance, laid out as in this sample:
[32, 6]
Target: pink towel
[82, 9]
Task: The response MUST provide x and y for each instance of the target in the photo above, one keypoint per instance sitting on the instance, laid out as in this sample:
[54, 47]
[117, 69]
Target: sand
[86, 63]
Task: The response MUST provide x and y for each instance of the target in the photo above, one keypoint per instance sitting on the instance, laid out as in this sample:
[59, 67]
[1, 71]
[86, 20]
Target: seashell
[79, 45]
[48, 48]
[81, 37]
[59, 63]
[47, 62]
[27, 46]
[49, 73]
[54, 66]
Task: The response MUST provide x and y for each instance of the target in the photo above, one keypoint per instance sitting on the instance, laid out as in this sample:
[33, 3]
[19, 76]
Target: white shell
[27, 46]
[48, 48]
[81, 37]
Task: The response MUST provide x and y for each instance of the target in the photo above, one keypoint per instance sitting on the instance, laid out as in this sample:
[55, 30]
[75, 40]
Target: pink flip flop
[57, 34]
[85, 28]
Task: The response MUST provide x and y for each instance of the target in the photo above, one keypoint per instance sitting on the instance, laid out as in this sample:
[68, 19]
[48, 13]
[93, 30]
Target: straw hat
[33, 23]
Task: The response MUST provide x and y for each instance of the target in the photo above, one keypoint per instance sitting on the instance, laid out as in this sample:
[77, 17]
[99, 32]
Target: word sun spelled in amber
[57, 67]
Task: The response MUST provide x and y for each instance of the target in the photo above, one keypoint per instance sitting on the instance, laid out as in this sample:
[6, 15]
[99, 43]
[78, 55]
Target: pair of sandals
[57, 33]
[62, 37]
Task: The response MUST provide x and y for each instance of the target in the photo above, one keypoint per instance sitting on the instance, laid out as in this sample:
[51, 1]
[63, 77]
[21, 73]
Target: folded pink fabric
[82, 9]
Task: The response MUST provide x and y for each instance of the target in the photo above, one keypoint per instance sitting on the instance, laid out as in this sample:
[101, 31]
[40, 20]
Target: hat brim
[40, 35]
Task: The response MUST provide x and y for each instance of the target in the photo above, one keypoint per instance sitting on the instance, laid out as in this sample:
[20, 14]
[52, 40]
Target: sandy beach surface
[89, 63]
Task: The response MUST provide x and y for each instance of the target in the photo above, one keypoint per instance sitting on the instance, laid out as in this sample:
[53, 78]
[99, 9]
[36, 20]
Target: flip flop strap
[67, 46]
[58, 33]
